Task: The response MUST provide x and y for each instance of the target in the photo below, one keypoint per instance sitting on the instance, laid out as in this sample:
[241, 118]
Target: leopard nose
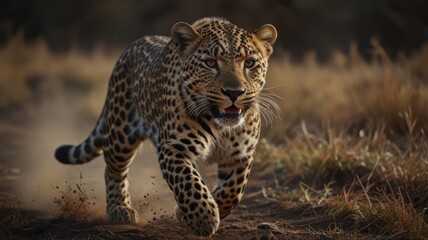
[233, 94]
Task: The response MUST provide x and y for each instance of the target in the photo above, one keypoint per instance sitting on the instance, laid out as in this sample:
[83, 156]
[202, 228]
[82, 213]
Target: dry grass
[11, 219]
[365, 184]
[76, 204]
[351, 92]
[31, 72]
[350, 145]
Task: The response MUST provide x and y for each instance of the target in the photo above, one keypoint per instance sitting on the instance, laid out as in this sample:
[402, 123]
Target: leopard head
[223, 67]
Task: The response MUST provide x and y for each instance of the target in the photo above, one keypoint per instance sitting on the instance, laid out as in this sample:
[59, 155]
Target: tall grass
[364, 185]
[31, 72]
[352, 92]
[347, 90]
[352, 143]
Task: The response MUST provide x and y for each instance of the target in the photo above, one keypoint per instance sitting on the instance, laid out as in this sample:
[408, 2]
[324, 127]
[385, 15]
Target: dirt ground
[254, 219]
[33, 184]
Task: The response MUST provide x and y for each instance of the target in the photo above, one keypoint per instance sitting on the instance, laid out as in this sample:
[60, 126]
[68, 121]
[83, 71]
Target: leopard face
[225, 69]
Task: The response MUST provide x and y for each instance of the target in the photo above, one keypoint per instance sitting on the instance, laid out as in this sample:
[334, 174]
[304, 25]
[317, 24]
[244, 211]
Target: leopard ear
[265, 37]
[186, 37]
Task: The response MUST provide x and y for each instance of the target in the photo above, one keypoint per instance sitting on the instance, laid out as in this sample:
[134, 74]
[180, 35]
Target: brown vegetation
[349, 152]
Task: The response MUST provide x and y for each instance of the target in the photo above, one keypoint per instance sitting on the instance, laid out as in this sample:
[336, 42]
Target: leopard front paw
[123, 214]
[202, 221]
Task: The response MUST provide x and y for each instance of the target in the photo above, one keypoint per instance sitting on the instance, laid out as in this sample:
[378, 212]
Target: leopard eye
[211, 63]
[249, 63]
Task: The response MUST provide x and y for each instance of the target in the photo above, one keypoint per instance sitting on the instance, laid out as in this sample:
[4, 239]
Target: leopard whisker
[197, 107]
[273, 87]
[268, 106]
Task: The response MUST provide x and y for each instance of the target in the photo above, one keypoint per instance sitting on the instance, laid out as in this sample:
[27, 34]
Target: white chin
[230, 122]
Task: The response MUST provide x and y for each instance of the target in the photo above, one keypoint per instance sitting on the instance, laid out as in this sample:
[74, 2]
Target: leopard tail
[87, 150]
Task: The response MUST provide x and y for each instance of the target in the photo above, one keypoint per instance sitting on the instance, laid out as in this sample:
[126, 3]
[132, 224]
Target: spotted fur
[195, 96]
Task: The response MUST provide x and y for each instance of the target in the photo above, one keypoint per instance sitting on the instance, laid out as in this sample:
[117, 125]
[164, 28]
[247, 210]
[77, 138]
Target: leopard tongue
[232, 110]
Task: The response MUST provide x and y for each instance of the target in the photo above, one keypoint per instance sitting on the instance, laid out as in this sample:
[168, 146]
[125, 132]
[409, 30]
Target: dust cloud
[57, 122]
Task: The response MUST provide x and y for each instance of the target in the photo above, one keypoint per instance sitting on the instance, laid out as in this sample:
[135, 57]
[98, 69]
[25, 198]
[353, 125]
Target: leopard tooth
[239, 111]
[222, 111]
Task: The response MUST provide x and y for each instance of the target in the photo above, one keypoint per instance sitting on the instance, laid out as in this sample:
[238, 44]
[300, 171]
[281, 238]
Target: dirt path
[251, 220]
[255, 218]
[28, 177]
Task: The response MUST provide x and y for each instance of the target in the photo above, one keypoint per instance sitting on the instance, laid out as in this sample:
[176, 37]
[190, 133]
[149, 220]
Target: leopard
[196, 96]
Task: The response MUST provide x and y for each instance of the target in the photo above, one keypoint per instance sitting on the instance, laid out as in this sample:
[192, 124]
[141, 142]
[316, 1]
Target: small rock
[264, 237]
[269, 227]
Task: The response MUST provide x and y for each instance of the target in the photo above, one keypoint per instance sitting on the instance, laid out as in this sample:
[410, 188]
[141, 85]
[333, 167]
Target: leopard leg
[120, 145]
[196, 208]
[231, 182]
[119, 206]
[234, 165]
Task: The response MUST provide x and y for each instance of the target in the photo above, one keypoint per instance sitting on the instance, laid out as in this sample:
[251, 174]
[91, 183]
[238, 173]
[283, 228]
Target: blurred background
[49, 45]
[303, 24]
[359, 67]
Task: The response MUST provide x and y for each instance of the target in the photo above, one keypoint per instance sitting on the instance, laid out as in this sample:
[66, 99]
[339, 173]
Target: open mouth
[230, 112]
